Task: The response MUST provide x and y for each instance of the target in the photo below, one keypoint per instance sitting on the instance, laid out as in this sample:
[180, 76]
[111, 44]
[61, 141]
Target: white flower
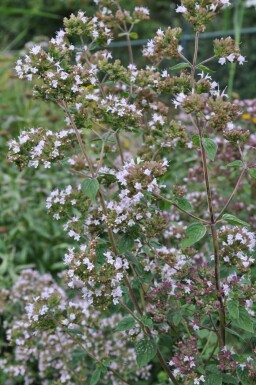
[35, 50]
[241, 60]
[181, 9]
[222, 60]
[231, 57]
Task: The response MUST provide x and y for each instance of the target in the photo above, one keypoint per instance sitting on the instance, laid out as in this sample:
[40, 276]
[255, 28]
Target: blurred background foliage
[27, 236]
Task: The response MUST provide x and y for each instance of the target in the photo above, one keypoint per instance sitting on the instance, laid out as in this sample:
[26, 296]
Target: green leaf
[243, 375]
[252, 172]
[147, 322]
[183, 203]
[145, 351]
[244, 321]
[90, 187]
[233, 308]
[233, 220]
[126, 323]
[227, 378]
[211, 148]
[95, 376]
[180, 66]
[133, 35]
[176, 319]
[196, 140]
[213, 379]
[231, 331]
[205, 69]
[236, 163]
[125, 243]
[194, 233]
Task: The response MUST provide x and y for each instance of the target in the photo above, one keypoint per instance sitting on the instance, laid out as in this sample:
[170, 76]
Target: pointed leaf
[126, 323]
[196, 140]
[233, 308]
[147, 322]
[233, 220]
[205, 69]
[227, 378]
[176, 319]
[145, 351]
[213, 379]
[211, 148]
[180, 66]
[194, 233]
[236, 163]
[90, 187]
[245, 321]
[183, 203]
[252, 172]
[95, 376]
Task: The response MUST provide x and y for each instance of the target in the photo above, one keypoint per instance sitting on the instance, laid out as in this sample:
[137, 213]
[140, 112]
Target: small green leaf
[205, 69]
[211, 148]
[125, 243]
[126, 323]
[233, 220]
[147, 322]
[213, 379]
[194, 233]
[236, 163]
[180, 66]
[252, 172]
[244, 321]
[176, 319]
[196, 140]
[227, 378]
[90, 187]
[233, 308]
[95, 376]
[183, 203]
[145, 351]
[133, 35]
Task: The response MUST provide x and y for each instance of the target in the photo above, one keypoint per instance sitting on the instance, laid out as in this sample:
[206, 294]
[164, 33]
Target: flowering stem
[233, 193]
[119, 144]
[179, 208]
[215, 242]
[195, 56]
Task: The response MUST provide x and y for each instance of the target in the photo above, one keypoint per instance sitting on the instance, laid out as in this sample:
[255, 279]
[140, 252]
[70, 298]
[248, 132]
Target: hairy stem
[214, 234]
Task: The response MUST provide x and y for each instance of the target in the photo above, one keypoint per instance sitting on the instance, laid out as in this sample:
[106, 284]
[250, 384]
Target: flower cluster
[98, 275]
[40, 146]
[164, 44]
[184, 362]
[92, 27]
[53, 356]
[200, 13]
[237, 242]
[227, 51]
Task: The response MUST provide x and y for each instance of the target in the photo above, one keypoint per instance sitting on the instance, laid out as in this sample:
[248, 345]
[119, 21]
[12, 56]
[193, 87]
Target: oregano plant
[159, 285]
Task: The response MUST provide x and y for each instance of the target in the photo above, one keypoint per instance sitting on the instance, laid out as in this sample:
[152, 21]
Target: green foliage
[90, 187]
[194, 233]
[211, 148]
[233, 220]
[145, 351]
